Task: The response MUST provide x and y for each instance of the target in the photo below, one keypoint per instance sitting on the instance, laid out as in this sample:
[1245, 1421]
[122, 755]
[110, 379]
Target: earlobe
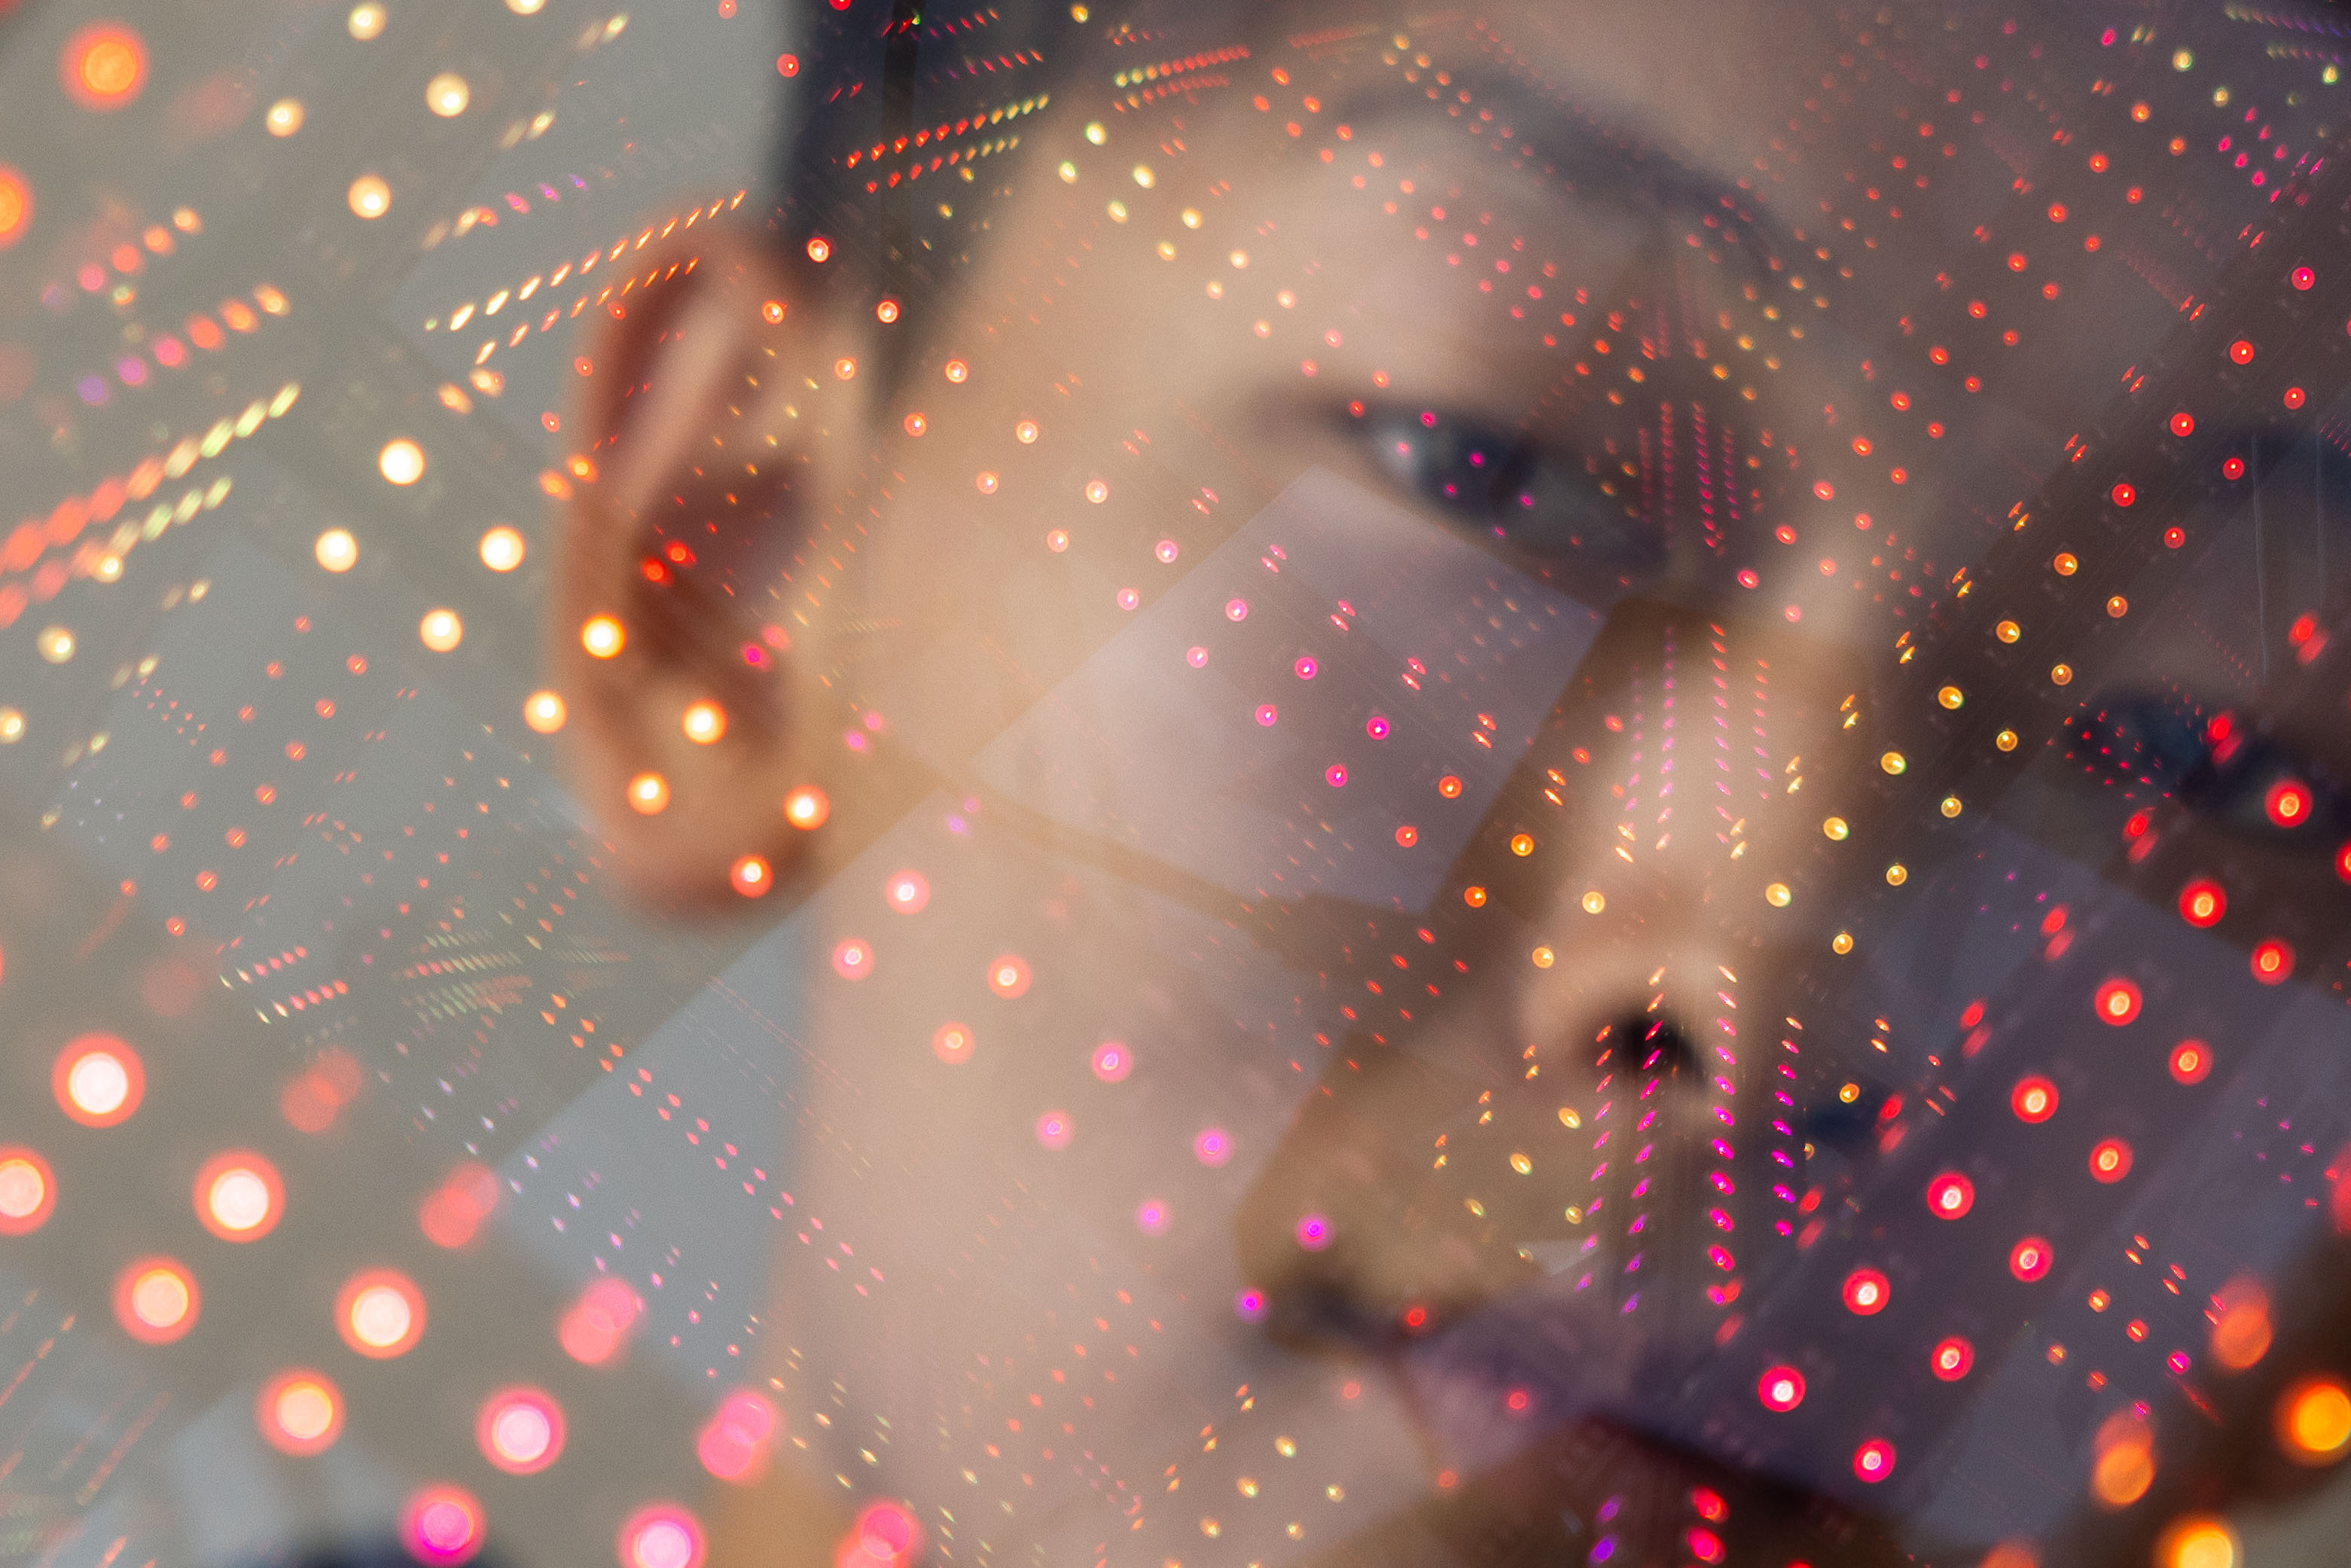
[686, 679]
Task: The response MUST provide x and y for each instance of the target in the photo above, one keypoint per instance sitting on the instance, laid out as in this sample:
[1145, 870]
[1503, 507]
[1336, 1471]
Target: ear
[715, 406]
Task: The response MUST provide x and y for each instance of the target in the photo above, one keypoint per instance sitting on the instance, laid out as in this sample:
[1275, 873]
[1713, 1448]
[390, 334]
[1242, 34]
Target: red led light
[29, 1191]
[2183, 422]
[2343, 862]
[1949, 1195]
[103, 66]
[1780, 1389]
[441, 1526]
[2034, 1098]
[2232, 468]
[98, 1080]
[2302, 277]
[2030, 1259]
[2287, 802]
[156, 1300]
[2117, 1002]
[2190, 1061]
[2174, 537]
[2272, 962]
[2202, 903]
[2110, 1160]
[2242, 351]
[1873, 1460]
[520, 1430]
[1951, 1358]
[1866, 1293]
[2122, 494]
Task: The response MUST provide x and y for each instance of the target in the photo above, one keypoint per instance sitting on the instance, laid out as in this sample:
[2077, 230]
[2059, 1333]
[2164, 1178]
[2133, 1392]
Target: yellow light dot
[1896, 875]
[525, 7]
[1069, 172]
[2197, 1541]
[401, 461]
[2067, 563]
[108, 569]
[1568, 1118]
[2063, 675]
[447, 94]
[1522, 844]
[1595, 902]
[1893, 762]
[370, 197]
[366, 20]
[1096, 134]
[1950, 805]
[1520, 1163]
[12, 727]
[704, 722]
[283, 116]
[602, 636]
[844, 369]
[1777, 896]
[807, 807]
[2005, 740]
[2183, 59]
[2315, 1422]
[544, 712]
[56, 643]
[2008, 631]
[440, 630]
[1026, 432]
[1544, 957]
[1836, 828]
[1950, 696]
[648, 793]
[502, 548]
[1840, 943]
[1144, 177]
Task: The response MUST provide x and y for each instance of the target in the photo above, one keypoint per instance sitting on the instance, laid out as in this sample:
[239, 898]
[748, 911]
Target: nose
[1557, 1075]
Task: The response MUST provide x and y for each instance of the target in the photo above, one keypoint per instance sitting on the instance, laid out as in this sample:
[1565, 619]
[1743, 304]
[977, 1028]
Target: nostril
[1655, 1044]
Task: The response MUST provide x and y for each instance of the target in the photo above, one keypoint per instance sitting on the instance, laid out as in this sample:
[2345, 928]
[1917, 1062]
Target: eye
[1505, 489]
[2147, 745]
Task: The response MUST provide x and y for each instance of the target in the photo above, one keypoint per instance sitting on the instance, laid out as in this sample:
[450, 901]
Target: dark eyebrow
[1548, 137]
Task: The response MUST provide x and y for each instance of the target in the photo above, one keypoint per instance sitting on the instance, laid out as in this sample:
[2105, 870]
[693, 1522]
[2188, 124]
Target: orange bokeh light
[379, 1312]
[299, 1413]
[103, 66]
[156, 1301]
[29, 1191]
[239, 1195]
[16, 206]
[98, 1080]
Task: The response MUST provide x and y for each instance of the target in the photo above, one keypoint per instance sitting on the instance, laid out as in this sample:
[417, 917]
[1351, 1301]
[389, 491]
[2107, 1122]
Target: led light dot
[648, 794]
[502, 548]
[705, 723]
[602, 636]
[447, 94]
[370, 198]
[299, 1412]
[545, 712]
[401, 461]
[440, 629]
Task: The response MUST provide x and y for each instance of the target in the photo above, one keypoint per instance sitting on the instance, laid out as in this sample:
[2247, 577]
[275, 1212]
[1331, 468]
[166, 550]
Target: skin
[1078, 322]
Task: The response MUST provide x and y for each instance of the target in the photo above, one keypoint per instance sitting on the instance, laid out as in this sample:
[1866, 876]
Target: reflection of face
[1401, 577]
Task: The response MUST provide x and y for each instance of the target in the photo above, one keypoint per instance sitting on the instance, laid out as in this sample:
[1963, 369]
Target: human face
[1548, 635]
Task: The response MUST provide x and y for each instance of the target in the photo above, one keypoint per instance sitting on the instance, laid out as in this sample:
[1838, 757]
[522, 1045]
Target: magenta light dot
[1306, 667]
[1267, 712]
[1150, 1217]
[1167, 552]
[852, 959]
[1214, 1146]
[442, 1525]
[1335, 776]
[1236, 610]
[1113, 1061]
[1195, 657]
[1249, 1305]
[1128, 599]
[1376, 726]
[2303, 277]
[1314, 1231]
[1053, 1130]
[661, 1535]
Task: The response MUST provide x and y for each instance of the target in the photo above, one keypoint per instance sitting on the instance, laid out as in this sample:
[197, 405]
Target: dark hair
[897, 99]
